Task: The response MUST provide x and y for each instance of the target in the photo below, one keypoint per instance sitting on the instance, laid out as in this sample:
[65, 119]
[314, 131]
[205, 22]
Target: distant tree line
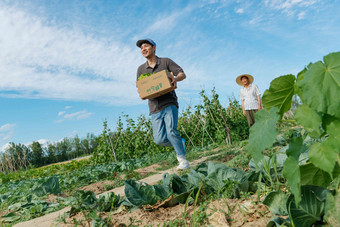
[200, 125]
[18, 156]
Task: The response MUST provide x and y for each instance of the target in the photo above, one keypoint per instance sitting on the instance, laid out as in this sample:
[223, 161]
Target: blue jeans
[164, 126]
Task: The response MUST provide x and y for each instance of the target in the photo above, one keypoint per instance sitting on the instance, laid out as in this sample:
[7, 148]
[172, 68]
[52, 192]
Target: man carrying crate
[164, 109]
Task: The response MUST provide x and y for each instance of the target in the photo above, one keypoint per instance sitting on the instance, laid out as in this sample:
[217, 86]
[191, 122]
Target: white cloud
[165, 22]
[240, 10]
[6, 131]
[5, 147]
[75, 116]
[301, 15]
[291, 7]
[42, 142]
[61, 113]
[43, 60]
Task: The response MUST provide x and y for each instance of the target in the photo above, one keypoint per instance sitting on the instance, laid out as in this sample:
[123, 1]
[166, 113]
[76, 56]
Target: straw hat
[250, 78]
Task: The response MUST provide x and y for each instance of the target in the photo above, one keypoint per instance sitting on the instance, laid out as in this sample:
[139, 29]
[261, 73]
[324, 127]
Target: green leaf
[300, 76]
[309, 119]
[138, 194]
[280, 93]
[321, 85]
[296, 148]
[278, 222]
[291, 172]
[311, 208]
[311, 175]
[163, 190]
[10, 217]
[332, 126]
[51, 185]
[324, 155]
[263, 133]
[181, 184]
[332, 210]
[108, 201]
[276, 202]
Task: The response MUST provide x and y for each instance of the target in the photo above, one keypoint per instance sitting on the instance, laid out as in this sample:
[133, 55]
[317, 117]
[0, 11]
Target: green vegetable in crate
[144, 76]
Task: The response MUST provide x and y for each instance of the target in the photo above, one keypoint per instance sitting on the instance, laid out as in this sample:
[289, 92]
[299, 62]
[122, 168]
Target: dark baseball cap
[141, 41]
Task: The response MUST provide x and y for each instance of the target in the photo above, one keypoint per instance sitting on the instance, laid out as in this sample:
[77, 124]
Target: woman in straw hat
[250, 97]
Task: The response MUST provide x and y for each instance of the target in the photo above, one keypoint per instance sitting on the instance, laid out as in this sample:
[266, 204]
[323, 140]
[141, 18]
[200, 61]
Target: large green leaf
[280, 93]
[108, 201]
[291, 172]
[163, 190]
[320, 86]
[51, 185]
[278, 222]
[139, 194]
[10, 217]
[276, 202]
[333, 209]
[324, 155]
[309, 119]
[296, 148]
[332, 126]
[262, 133]
[312, 175]
[181, 184]
[311, 208]
[300, 76]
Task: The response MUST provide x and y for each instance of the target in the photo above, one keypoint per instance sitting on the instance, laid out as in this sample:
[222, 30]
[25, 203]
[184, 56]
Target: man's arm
[259, 101]
[244, 112]
[181, 76]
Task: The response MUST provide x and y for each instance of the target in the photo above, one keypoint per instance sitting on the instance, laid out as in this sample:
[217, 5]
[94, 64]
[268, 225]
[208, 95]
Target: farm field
[244, 212]
[286, 173]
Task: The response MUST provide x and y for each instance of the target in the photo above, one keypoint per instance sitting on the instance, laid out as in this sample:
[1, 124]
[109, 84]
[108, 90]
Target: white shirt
[250, 97]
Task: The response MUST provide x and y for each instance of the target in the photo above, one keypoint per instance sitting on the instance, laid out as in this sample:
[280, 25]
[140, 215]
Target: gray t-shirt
[168, 99]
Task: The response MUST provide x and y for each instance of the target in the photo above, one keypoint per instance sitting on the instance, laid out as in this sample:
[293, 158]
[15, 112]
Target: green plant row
[205, 180]
[311, 167]
[201, 125]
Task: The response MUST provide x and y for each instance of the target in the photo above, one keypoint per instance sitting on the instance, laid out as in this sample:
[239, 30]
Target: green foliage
[138, 194]
[332, 209]
[214, 178]
[276, 202]
[87, 201]
[280, 93]
[312, 123]
[104, 152]
[318, 143]
[50, 186]
[311, 208]
[262, 133]
[203, 125]
[321, 84]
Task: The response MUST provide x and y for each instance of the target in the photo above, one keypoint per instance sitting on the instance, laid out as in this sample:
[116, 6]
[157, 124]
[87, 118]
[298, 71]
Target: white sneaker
[183, 163]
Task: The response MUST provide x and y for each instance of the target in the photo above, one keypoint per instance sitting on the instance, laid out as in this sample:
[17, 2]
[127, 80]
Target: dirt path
[50, 219]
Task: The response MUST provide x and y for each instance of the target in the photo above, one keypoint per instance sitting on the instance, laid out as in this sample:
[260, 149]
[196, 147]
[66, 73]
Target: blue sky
[67, 65]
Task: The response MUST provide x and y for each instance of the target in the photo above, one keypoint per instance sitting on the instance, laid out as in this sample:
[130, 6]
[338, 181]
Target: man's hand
[173, 80]
[244, 113]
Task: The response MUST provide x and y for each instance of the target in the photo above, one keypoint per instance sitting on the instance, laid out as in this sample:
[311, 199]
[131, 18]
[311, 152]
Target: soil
[98, 187]
[224, 212]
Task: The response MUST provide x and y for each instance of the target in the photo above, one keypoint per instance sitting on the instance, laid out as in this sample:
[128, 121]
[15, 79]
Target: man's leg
[158, 128]
[170, 120]
[250, 114]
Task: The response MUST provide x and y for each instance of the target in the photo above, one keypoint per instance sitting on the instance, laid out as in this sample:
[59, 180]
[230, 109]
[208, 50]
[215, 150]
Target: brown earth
[224, 212]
